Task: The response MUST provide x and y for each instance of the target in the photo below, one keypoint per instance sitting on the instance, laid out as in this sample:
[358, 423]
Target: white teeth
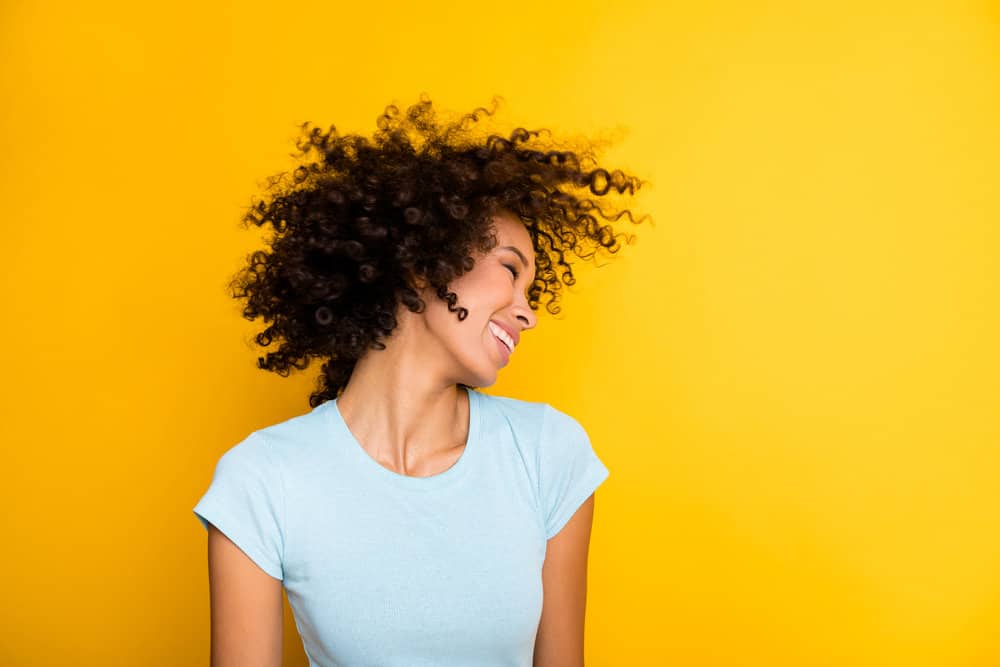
[503, 336]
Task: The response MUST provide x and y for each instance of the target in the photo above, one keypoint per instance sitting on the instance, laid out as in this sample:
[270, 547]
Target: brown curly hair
[361, 222]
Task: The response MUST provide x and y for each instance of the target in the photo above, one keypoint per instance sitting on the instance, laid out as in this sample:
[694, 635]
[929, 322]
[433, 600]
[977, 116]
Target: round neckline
[357, 452]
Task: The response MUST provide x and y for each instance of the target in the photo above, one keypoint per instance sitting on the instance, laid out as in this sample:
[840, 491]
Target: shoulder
[287, 440]
[253, 451]
[512, 409]
[522, 419]
[301, 427]
[558, 454]
[537, 424]
[562, 424]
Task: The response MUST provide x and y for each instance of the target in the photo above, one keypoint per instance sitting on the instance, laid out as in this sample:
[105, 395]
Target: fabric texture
[387, 570]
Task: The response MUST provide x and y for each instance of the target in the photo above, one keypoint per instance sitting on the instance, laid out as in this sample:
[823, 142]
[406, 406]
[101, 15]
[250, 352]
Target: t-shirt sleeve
[245, 501]
[569, 469]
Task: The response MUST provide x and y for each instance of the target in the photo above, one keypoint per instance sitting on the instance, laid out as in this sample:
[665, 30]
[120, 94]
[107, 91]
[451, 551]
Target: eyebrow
[524, 260]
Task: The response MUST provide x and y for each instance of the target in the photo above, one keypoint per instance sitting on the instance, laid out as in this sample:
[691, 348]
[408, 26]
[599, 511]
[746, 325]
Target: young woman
[410, 519]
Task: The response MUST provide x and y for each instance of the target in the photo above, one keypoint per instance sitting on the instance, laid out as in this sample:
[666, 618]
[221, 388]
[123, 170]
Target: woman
[410, 519]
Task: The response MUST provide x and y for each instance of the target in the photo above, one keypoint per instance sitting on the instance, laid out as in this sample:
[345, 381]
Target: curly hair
[361, 222]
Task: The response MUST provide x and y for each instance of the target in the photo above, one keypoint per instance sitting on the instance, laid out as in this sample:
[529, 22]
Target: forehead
[511, 232]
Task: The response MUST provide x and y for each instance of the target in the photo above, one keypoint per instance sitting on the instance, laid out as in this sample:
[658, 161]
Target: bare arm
[564, 580]
[246, 607]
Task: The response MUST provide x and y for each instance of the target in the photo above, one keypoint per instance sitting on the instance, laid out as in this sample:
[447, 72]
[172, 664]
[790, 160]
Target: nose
[524, 314]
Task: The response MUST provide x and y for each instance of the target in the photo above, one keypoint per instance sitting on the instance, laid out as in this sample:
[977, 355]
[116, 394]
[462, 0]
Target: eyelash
[512, 270]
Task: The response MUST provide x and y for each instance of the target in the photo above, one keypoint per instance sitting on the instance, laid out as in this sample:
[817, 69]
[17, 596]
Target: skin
[404, 405]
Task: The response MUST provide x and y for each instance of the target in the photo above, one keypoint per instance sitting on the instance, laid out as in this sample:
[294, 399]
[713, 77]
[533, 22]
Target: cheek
[473, 293]
[444, 324]
[480, 294]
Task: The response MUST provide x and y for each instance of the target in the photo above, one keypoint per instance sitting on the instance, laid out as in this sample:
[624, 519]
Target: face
[495, 294]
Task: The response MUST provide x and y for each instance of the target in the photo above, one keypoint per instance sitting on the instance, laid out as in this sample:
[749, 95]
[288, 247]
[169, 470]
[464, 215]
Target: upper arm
[559, 642]
[246, 607]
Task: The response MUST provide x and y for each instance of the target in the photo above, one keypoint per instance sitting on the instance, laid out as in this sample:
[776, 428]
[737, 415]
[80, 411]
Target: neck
[406, 416]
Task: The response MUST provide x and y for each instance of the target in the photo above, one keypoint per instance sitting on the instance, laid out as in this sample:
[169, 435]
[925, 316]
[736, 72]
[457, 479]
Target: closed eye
[512, 270]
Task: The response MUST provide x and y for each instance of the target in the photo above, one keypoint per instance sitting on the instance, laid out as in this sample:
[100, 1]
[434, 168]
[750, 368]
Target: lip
[511, 331]
[504, 352]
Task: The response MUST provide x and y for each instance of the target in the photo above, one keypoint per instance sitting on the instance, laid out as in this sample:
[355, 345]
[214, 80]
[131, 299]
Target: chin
[481, 381]
[480, 378]
[477, 368]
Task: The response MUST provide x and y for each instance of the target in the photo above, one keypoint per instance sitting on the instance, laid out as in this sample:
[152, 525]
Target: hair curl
[361, 222]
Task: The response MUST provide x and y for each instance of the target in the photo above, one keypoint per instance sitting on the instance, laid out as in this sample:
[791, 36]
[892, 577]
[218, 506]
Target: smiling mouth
[503, 351]
[504, 343]
[495, 330]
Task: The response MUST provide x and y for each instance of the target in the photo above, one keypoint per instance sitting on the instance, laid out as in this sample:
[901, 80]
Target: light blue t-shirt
[388, 570]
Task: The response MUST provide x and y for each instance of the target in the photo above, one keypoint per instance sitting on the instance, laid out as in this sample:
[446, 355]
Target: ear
[420, 283]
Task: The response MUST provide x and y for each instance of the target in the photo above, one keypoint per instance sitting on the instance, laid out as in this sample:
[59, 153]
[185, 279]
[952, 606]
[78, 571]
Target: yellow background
[793, 376]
